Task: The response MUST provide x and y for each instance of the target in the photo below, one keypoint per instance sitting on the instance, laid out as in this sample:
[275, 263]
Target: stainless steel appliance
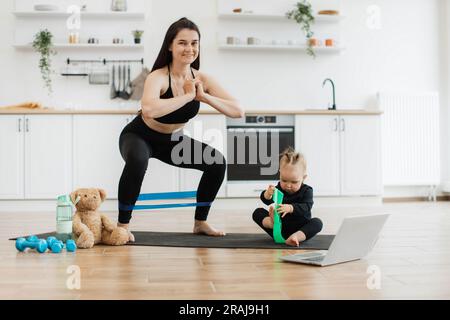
[253, 147]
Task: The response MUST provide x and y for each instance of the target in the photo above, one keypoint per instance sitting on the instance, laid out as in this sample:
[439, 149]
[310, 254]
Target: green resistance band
[277, 198]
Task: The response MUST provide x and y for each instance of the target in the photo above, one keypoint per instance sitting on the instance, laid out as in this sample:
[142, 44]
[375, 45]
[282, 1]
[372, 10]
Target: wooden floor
[413, 255]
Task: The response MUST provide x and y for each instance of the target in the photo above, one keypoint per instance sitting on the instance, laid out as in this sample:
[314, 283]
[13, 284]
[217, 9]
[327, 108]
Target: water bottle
[64, 211]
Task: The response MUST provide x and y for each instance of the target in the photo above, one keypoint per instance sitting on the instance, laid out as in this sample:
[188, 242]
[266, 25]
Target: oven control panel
[262, 120]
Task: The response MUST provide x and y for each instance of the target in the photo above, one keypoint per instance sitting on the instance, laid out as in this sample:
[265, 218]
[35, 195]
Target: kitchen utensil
[123, 92]
[119, 85]
[74, 70]
[113, 92]
[128, 87]
[99, 75]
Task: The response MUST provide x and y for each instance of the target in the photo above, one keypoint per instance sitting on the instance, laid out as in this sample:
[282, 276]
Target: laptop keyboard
[316, 259]
[309, 255]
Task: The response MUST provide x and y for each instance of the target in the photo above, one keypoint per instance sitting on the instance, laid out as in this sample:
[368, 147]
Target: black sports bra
[183, 114]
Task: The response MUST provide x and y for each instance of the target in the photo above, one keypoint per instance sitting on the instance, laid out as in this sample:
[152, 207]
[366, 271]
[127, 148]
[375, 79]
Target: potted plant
[302, 14]
[42, 43]
[137, 35]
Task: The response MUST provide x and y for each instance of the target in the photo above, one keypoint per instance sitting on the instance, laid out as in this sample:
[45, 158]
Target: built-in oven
[254, 144]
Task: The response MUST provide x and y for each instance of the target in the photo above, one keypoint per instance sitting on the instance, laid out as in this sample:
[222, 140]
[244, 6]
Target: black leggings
[290, 224]
[138, 143]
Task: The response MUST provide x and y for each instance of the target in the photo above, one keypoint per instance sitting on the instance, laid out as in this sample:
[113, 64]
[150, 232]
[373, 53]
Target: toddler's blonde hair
[290, 156]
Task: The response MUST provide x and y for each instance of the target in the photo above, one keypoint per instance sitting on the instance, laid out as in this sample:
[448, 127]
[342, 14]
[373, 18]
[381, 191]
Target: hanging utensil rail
[105, 61]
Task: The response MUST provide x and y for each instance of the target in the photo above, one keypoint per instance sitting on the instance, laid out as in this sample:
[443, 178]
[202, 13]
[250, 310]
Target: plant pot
[137, 40]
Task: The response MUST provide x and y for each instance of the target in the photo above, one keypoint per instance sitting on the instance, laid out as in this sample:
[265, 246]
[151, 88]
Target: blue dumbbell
[71, 246]
[40, 244]
[55, 245]
[50, 241]
[32, 238]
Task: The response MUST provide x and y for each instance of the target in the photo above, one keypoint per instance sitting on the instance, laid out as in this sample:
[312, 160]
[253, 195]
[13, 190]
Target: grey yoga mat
[231, 240]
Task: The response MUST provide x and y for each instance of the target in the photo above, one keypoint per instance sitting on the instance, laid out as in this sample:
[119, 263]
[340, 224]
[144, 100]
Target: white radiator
[410, 139]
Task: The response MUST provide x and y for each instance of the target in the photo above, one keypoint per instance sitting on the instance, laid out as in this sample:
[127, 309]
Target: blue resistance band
[167, 195]
[164, 196]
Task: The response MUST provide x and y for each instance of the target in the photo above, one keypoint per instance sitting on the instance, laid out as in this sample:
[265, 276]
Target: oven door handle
[254, 130]
[235, 130]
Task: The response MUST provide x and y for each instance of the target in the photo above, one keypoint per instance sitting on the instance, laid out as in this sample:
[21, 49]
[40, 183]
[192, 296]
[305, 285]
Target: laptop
[354, 240]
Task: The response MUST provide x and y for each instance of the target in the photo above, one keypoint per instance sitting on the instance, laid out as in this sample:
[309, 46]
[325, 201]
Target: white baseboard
[410, 191]
[446, 187]
[220, 204]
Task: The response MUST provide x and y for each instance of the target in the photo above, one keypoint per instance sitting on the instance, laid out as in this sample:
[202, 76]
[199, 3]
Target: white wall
[407, 53]
[445, 145]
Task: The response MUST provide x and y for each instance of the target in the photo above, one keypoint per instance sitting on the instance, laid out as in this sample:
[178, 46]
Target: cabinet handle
[27, 127]
[20, 125]
[335, 124]
[343, 124]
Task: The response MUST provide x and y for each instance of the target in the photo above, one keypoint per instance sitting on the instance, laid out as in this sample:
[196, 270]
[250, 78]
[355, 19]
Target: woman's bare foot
[130, 235]
[202, 227]
[295, 239]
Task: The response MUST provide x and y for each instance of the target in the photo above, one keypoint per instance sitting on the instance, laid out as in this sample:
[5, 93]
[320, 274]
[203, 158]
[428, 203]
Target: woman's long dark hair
[165, 56]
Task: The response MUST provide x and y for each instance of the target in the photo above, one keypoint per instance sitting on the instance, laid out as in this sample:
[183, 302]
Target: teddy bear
[90, 226]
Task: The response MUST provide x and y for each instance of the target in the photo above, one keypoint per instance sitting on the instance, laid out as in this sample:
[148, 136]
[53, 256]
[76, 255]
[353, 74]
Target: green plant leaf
[42, 44]
[302, 14]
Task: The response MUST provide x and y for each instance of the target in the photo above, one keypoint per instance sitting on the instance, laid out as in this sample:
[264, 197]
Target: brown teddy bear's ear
[73, 196]
[102, 194]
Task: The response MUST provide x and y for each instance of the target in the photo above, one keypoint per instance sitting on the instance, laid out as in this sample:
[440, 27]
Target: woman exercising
[172, 95]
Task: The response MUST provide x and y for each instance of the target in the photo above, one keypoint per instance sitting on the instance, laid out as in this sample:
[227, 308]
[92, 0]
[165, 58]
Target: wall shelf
[262, 16]
[280, 33]
[280, 47]
[86, 46]
[94, 15]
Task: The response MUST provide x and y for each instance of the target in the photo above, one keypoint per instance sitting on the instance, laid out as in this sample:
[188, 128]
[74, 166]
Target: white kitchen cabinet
[97, 160]
[11, 156]
[317, 137]
[342, 153]
[360, 155]
[210, 129]
[48, 156]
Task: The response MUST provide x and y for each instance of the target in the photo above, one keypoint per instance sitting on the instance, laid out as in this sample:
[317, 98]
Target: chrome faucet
[334, 93]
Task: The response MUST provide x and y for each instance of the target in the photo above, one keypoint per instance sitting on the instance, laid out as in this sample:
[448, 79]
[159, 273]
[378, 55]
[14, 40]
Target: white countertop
[129, 111]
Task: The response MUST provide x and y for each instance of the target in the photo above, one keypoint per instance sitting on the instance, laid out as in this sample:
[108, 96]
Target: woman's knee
[137, 158]
[134, 149]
